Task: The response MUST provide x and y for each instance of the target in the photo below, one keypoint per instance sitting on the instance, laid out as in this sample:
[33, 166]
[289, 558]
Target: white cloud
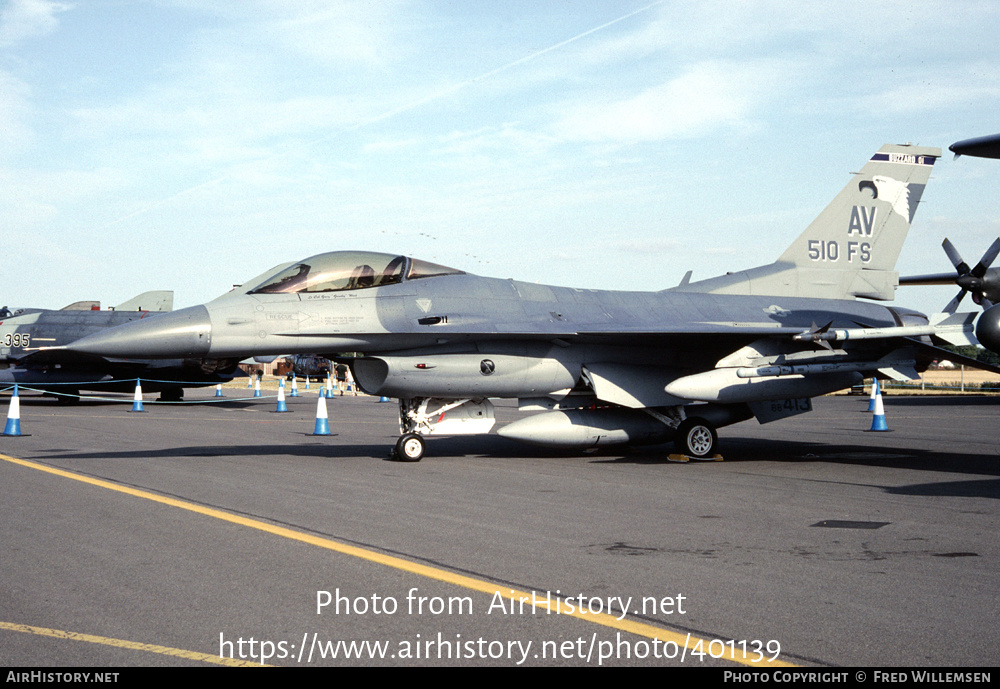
[24, 19]
[707, 96]
[16, 132]
[960, 87]
[391, 145]
[49, 206]
[507, 140]
[337, 34]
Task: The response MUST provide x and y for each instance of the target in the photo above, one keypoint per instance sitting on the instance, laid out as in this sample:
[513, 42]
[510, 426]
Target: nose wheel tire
[696, 438]
[410, 447]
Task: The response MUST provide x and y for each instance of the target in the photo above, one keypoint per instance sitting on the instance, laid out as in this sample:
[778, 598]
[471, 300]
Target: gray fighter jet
[603, 367]
[24, 333]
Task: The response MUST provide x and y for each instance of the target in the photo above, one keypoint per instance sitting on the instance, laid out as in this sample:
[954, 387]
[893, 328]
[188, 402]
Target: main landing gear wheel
[696, 438]
[410, 447]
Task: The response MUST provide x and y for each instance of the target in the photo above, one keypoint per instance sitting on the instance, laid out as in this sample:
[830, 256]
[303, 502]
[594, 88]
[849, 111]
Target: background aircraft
[981, 147]
[604, 367]
[23, 332]
[982, 281]
[309, 366]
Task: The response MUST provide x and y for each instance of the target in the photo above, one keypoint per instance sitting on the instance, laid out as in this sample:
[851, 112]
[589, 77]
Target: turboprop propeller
[981, 281]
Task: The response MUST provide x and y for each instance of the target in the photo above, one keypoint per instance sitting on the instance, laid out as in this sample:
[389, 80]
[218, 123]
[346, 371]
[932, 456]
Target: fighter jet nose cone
[180, 334]
[988, 329]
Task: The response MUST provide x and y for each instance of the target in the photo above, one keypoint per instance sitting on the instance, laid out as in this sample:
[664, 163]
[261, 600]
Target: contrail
[394, 111]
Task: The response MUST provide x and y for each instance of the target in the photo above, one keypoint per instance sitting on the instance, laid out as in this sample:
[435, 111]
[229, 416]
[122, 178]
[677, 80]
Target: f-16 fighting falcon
[24, 332]
[602, 367]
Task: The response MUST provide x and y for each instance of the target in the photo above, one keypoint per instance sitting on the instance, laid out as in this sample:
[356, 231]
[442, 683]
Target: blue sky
[190, 145]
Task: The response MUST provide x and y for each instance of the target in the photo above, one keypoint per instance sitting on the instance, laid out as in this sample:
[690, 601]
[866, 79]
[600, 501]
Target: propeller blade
[971, 280]
[953, 304]
[956, 259]
[987, 259]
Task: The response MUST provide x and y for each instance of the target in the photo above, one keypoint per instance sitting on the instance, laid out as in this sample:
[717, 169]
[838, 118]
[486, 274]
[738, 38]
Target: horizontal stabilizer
[903, 375]
[897, 367]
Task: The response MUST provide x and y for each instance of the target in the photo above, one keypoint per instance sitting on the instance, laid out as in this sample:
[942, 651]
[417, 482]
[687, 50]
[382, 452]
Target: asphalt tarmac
[193, 531]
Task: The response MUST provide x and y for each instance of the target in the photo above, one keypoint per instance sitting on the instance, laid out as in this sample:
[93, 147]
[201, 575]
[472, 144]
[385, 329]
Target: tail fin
[157, 300]
[850, 250]
[82, 306]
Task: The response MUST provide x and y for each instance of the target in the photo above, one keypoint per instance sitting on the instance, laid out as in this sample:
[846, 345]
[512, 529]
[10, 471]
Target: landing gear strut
[423, 416]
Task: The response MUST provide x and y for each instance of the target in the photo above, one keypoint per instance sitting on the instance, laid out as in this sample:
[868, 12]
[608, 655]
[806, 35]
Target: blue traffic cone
[13, 426]
[383, 398]
[295, 387]
[137, 398]
[875, 393]
[250, 382]
[218, 390]
[322, 421]
[878, 419]
[256, 388]
[281, 396]
[307, 382]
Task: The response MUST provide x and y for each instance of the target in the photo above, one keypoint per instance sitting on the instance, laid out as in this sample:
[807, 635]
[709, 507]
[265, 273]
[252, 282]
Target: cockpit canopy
[347, 270]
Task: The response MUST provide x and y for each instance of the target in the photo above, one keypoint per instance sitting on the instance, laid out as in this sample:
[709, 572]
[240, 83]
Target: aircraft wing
[928, 353]
[717, 338]
[651, 334]
[692, 336]
[61, 357]
[930, 279]
[981, 147]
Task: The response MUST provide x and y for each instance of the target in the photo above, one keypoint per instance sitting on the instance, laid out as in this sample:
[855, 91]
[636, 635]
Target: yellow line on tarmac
[132, 645]
[729, 651]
